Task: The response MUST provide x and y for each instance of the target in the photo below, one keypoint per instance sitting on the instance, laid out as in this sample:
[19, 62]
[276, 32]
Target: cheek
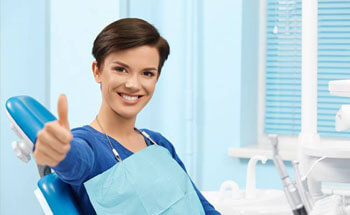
[109, 84]
[150, 87]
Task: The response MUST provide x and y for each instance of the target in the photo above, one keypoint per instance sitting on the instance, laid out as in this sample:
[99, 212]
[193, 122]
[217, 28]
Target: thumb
[62, 110]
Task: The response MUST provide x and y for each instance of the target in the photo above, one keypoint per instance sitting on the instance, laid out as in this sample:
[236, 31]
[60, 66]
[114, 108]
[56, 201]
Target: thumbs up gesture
[53, 141]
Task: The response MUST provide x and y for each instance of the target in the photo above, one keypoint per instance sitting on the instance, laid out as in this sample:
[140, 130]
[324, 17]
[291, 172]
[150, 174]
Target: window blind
[283, 64]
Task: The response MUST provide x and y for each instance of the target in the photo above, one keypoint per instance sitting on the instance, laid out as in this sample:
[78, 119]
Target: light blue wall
[23, 57]
[74, 26]
[222, 89]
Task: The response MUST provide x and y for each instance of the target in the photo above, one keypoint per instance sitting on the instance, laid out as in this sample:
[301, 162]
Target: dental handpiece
[301, 184]
[290, 188]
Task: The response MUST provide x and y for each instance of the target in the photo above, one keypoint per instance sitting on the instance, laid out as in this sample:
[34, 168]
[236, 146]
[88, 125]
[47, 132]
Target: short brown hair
[129, 33]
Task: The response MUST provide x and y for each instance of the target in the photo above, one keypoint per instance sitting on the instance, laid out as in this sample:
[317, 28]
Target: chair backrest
[29, 117]
[28, 114]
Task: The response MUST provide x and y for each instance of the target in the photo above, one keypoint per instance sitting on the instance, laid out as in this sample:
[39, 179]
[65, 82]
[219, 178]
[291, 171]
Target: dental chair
[28, 117]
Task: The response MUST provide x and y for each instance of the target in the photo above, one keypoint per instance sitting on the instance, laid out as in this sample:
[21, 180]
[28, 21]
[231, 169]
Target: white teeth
[129, 98]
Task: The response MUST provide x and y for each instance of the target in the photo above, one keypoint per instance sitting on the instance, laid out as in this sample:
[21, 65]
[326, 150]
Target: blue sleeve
[208, 208]
[76, 166]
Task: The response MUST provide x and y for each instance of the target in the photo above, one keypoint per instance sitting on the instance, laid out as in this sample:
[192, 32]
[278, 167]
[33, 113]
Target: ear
[96, 71]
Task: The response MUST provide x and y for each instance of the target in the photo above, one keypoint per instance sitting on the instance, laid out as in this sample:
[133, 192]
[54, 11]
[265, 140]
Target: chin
[126, 115]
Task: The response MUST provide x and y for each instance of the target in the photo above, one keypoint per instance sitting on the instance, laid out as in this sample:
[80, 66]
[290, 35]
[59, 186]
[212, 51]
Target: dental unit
[320, 161]
[330, 163]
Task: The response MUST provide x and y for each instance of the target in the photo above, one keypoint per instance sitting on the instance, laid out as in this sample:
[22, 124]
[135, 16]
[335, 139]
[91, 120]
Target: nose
[132, 82]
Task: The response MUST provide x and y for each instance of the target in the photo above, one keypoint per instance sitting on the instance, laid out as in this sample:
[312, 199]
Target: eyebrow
[123, 64]
[126, 66]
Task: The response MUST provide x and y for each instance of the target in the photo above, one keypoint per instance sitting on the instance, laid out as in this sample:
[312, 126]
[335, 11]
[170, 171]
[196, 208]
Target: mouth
[130, 98]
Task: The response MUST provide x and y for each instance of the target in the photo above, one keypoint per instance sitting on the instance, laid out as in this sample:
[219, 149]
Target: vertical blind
[283, 64]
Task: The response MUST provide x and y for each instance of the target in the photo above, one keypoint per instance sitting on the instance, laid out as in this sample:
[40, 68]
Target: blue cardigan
[90, 155]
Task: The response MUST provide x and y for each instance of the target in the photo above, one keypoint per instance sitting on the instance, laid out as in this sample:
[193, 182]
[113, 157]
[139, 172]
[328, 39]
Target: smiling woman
[128, 79]
[111, 166]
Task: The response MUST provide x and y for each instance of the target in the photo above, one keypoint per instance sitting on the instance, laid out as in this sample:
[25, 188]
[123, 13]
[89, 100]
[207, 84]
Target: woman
[96, 159]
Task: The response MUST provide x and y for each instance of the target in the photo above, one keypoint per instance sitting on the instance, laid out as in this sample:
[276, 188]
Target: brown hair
[129, 33]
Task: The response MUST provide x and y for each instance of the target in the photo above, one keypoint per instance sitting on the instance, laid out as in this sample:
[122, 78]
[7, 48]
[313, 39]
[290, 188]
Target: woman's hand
[53, 141]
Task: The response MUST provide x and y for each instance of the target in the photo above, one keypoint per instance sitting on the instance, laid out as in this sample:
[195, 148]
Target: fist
[53, 141]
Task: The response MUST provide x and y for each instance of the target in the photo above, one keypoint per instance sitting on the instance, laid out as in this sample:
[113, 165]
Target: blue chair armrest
[58, 195]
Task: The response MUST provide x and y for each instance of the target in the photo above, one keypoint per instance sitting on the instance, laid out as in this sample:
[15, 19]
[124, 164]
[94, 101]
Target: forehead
[142, 56]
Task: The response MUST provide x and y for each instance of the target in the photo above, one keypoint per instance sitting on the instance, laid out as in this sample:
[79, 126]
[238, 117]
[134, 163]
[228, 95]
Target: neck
[113, 124]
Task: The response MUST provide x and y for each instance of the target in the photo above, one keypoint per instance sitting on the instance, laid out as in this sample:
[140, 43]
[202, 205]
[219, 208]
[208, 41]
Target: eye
[149, 74]
[120, 69]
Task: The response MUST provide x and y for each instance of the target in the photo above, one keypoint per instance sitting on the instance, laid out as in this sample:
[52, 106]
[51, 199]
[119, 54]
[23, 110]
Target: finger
[44, 159]
[61, 133]
[52, 144]
[62, 110]
[50, 152]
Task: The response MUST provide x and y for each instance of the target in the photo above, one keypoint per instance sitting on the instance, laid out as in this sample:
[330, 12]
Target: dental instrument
[290, 188]
[301, 183]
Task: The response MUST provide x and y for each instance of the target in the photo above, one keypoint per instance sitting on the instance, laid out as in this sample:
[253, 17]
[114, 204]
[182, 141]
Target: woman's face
[128, 79]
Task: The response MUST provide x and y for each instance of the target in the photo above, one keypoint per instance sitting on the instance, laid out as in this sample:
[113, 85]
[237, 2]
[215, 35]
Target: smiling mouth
[129, 97]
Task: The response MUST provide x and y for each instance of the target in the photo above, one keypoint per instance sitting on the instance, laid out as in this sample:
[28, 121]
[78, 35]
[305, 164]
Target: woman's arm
[78, 163]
